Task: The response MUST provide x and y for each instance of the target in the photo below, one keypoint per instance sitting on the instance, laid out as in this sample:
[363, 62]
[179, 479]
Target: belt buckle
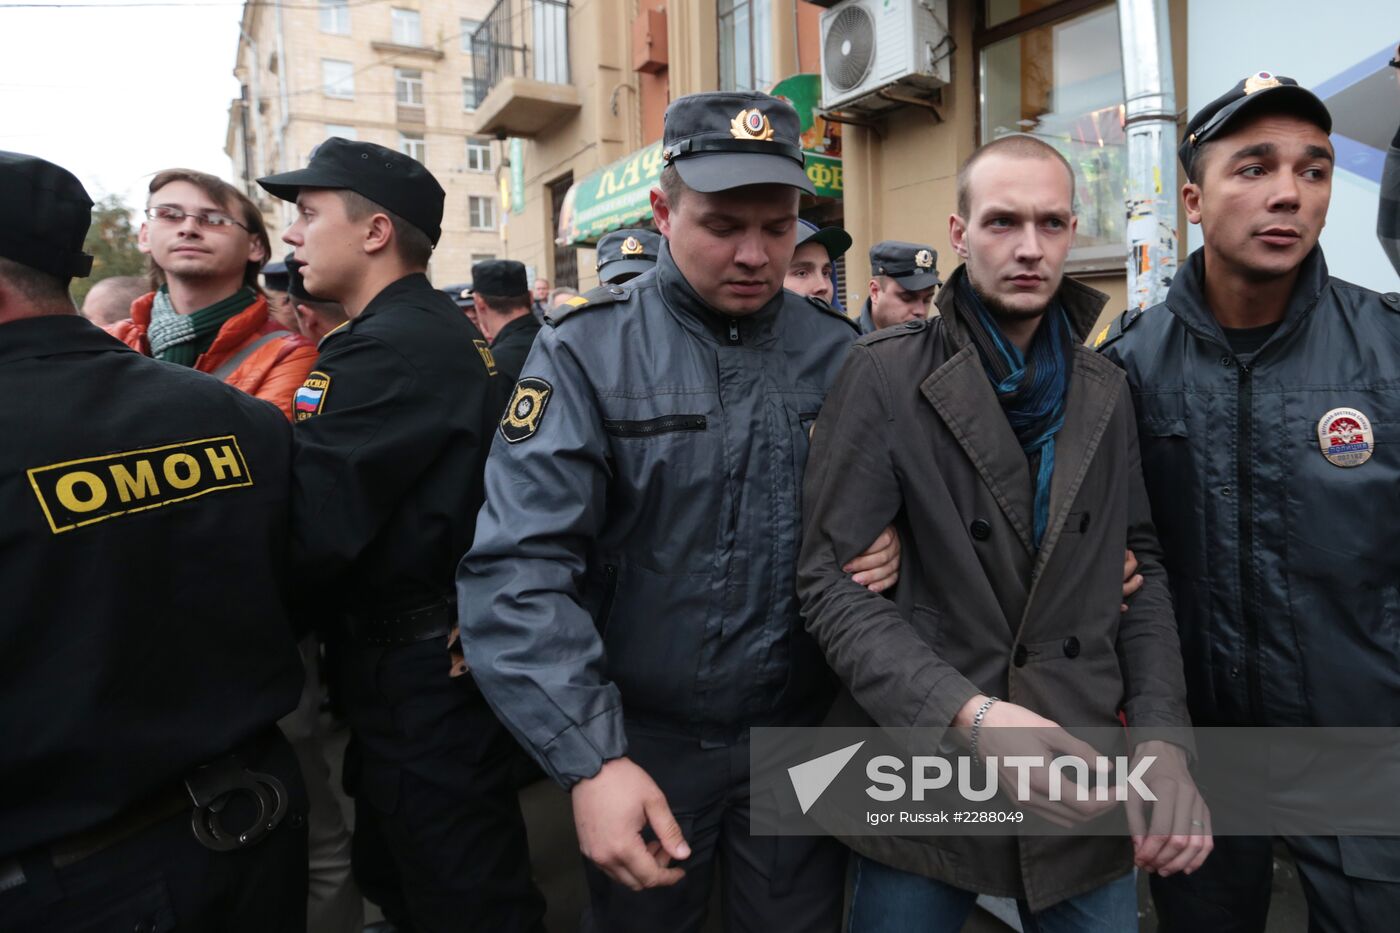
[214, 785]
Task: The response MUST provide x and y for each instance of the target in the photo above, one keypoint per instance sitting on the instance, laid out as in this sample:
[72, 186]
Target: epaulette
[1391, 300]
[917, 326]
[828, 309]
[599, 297]
[1117, 328]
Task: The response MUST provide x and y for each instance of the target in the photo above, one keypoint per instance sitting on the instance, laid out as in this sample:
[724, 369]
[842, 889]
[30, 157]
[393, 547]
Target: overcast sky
[115, 90]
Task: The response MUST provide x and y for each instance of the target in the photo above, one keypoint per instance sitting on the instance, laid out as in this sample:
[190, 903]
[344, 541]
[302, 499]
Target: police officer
[1264, 390]
[501, 300]
[628, 604]
[392, 433]
[626, 254]
[812, 272]
[903, 278]
[145, 646]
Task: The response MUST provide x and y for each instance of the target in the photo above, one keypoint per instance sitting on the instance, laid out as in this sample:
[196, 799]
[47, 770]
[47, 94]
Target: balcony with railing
[520, 65]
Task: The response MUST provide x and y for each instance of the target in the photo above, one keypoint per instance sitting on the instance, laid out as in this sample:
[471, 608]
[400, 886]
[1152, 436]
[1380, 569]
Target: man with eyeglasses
[206, 244]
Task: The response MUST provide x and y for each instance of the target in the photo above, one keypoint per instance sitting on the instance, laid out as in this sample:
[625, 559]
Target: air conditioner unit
[899, 47]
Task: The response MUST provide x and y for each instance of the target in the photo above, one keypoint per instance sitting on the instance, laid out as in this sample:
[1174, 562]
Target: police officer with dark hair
[625, 254]
[903, 278]
[392, 431]
[628, 605]
[146, 784]
[501, 299]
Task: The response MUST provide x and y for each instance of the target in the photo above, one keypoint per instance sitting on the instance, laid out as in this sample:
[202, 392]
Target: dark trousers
[768, 883]
[164, 879]
[439, 837]
[1352, 885]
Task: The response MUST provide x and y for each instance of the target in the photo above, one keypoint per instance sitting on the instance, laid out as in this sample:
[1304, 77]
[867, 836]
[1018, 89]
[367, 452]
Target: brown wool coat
[912, 434]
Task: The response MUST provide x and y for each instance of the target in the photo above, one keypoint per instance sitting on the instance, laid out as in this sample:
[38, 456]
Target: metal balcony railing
[521, 39]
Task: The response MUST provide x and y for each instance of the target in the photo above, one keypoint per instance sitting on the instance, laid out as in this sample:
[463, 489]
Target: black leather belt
[404, 628]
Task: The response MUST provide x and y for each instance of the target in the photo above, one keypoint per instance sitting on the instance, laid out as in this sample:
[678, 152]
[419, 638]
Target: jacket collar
[1082, 306]
[413, 282]
[699, 318]
[526, 322]
[1186, 299]
[53, 335]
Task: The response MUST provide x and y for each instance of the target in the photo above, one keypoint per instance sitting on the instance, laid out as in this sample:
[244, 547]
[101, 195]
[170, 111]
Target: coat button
[1084, 523]
[1071, 647]
[1019, 656]
[981, 529]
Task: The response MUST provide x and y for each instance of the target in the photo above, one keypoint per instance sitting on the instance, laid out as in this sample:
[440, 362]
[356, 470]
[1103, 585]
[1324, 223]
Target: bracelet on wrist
[977, 725]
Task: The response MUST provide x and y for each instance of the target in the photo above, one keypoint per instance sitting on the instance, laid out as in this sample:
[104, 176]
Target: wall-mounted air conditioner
[875, 52]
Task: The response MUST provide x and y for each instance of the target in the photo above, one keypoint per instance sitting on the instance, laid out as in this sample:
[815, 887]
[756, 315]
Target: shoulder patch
[597, 298]
[484, 349]
[526, 409]
[1117, 328]
[311, 397]
[828, 309]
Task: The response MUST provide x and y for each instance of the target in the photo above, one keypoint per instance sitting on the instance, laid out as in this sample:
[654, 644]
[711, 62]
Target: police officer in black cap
[1285, 609]
[145, 647]
[392, 430]
[629, 602]
[277, 287]
[626, 254]
[903, 278]
[501, 299]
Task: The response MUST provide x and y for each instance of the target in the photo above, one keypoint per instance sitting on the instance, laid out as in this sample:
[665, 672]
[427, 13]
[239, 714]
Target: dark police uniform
[1265, 457]
[630, 591]
[392, 430]
[626, 254]
[913, 265]
[145, 647]
[505, 278]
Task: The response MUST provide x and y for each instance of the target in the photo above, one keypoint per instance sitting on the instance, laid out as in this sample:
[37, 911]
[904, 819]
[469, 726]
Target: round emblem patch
[632, 247]
[522, 416]
[751, 124]
[1345, 437]
[923, 259]
[1260, 81]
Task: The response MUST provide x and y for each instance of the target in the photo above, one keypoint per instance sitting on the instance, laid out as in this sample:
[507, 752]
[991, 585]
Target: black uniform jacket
[392, 431]
[512, 345]
[143, 531]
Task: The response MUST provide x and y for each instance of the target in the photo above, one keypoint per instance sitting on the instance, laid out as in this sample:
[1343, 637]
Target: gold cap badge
[923, 259]
[751, 124]
[1260, 81]
[632, 247]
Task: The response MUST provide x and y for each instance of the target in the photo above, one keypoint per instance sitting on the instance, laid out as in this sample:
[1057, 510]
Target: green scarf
[182, 338]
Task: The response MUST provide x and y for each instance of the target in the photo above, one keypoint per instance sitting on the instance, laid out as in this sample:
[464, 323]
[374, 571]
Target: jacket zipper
[1245, 480]
[663, 425]
[609, 594]
[733, 331]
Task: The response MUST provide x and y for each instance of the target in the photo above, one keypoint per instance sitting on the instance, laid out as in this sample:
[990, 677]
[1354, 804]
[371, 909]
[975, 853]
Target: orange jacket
[272, 372]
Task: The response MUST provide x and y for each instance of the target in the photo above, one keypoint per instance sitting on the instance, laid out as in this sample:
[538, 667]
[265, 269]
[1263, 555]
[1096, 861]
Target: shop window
[1061, 81]
[745, 45]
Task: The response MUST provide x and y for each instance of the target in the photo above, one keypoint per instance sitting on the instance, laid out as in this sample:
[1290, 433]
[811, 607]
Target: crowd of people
[522, 534]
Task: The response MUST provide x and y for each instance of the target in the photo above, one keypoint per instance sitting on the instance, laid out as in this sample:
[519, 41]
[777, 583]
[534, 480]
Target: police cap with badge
[912, 265]
[625, 254]
[719, 140]
[44, 216]
[392, 180]
[1263, 90]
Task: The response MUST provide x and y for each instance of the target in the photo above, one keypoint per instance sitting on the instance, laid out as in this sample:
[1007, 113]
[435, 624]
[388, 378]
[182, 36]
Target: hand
[1132, 580]
[1009, 730]
[611, 809]
[877, 569]
[1178, 837]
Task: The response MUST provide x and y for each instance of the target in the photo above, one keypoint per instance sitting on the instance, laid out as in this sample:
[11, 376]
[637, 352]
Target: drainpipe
[1149, 98]
[285, 116]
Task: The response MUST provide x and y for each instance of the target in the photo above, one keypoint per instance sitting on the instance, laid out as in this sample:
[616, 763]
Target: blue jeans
[887, 900]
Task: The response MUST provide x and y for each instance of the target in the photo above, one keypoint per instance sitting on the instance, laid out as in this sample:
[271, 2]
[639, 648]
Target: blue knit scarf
[1031, 387]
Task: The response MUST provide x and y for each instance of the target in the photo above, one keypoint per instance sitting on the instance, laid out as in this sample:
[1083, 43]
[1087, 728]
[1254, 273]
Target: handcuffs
[214, 785]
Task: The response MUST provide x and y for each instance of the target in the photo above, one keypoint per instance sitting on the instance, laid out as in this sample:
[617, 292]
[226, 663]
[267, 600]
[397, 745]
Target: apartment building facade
[400, 74]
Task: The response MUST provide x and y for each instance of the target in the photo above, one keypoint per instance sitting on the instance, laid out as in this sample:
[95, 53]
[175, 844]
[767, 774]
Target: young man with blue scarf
[1005, 453]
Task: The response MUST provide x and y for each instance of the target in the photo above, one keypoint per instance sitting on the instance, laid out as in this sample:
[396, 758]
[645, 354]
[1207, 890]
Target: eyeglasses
[174, 215]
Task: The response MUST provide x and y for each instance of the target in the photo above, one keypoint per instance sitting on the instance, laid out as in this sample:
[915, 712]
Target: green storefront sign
[620, 194]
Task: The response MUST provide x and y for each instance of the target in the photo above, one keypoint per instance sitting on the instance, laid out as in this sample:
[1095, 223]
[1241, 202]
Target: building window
[481, 212]
[478, 155]
[408, 26]
[335, 17]
[468, 26]
[745, 45]
[408, 87]
[343, 131]
[413, 146]
[470, 96]
[1062, 82]
[337, 78]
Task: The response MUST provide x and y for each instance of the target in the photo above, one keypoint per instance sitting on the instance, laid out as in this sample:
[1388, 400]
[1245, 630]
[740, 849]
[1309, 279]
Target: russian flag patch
[311, 397]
